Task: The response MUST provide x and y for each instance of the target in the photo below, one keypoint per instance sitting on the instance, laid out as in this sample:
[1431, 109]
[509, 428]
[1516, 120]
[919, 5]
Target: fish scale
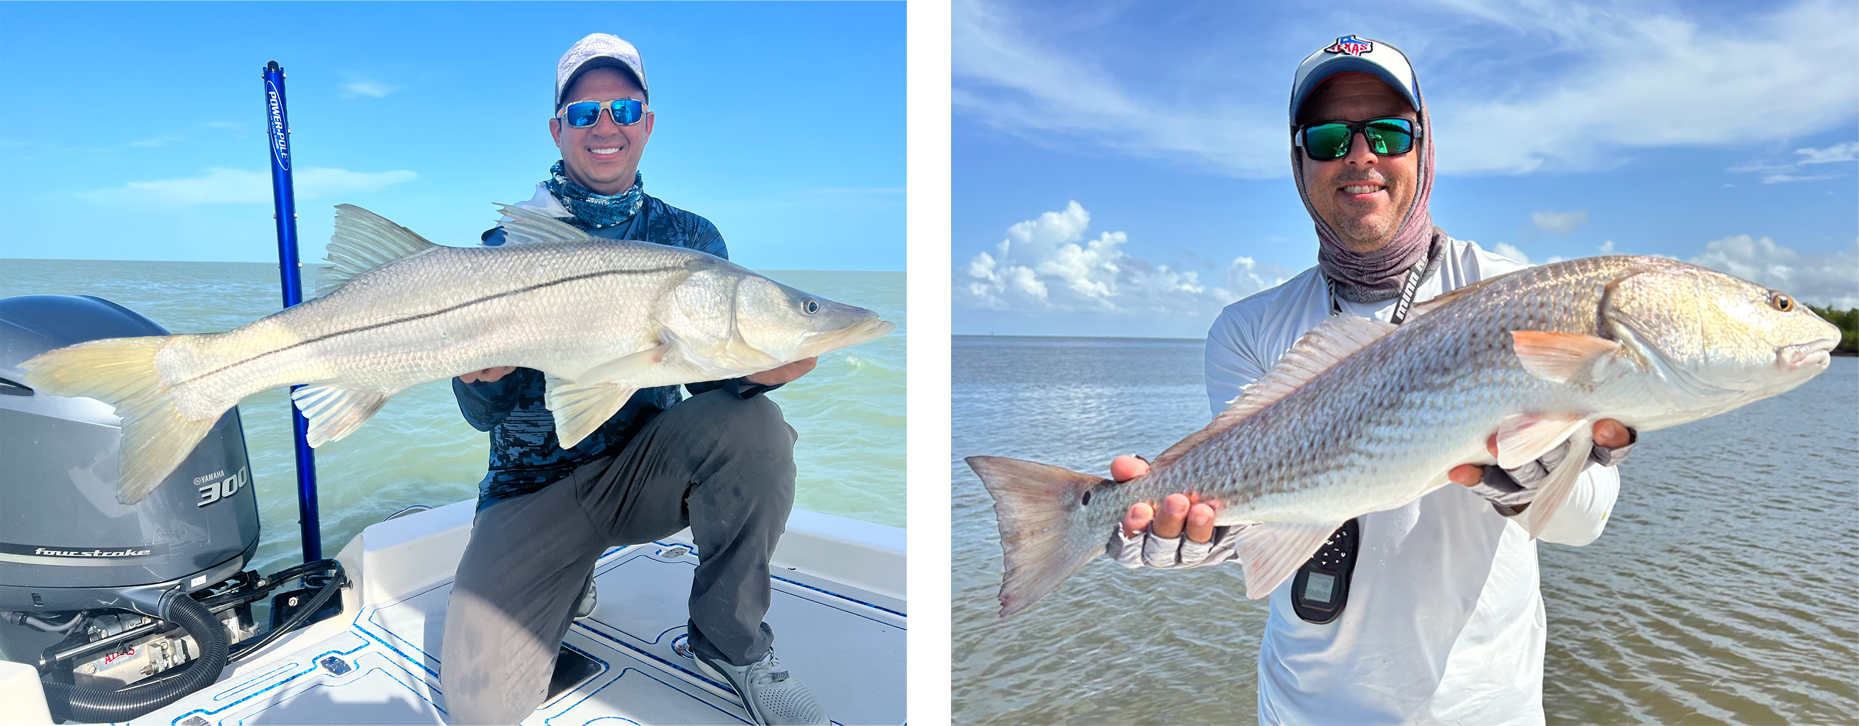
[601, 318]
[1360, 416]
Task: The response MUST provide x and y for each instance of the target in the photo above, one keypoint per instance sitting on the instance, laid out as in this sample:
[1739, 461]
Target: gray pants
[721, 465]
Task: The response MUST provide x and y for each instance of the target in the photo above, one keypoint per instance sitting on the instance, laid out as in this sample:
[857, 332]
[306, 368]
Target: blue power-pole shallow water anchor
[277, 127]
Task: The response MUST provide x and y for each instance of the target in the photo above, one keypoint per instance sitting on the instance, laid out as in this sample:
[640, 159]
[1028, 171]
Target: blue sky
[1136, 153]
[136, 130]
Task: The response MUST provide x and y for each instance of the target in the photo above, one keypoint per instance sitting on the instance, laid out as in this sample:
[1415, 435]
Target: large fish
[1361, 416]
[601, 318]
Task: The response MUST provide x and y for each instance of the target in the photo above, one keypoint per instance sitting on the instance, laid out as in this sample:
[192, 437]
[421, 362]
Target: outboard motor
[152, 593]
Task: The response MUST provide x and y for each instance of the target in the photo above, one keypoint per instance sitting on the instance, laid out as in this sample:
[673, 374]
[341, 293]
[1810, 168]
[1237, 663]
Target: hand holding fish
[1610, 439]
[783, 374]
[488, 375]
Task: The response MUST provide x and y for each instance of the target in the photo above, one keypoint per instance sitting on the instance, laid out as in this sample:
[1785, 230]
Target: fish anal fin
[580, 409]
[364, 241]
[1320, 349]
[1526, 437]
[625, 367]
[1555, 490]
[334, 411]
[1271, 552]
[527, 226]
[1564, 357]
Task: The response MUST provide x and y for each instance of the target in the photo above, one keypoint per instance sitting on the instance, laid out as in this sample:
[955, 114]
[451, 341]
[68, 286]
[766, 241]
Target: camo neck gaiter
[1369, 277]
[592, 210]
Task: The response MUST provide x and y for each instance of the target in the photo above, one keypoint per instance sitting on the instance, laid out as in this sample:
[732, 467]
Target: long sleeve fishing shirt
[525, 454]
[1445, 618]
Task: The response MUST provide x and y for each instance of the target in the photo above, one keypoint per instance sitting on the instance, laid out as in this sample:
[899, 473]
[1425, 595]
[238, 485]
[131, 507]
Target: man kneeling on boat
[720, 462]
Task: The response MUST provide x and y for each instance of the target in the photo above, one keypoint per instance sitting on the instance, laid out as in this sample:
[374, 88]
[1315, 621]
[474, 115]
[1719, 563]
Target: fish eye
[810, 306]
[1087, 497]
[1781, 302]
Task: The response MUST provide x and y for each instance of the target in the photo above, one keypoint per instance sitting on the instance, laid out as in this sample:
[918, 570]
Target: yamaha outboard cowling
[112, 580]
[66, 544]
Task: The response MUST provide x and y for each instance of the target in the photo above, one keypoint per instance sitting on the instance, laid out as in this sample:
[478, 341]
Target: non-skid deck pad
[845, 644]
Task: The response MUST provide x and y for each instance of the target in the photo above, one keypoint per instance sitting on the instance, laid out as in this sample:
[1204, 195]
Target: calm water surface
[1723, 589]
[849, 411]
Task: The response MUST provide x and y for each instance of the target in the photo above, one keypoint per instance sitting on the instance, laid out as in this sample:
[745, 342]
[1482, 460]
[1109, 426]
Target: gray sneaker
[766, 690]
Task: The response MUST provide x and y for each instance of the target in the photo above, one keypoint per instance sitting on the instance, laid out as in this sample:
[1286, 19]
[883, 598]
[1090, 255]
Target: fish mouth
[1816, 354]
[870, 328]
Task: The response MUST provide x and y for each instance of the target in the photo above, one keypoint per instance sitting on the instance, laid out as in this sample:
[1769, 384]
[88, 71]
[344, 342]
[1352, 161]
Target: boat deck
[378, 662]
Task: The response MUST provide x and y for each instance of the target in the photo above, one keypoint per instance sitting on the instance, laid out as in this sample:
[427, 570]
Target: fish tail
[1047, 533]
[121, 372]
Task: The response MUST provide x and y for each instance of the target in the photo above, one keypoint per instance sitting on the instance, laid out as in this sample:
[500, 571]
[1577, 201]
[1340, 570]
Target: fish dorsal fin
[527, 226]
[1335, 339]
[1434, 303]
[363, 241]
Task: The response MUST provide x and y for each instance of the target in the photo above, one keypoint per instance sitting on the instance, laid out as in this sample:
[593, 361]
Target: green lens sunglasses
[1331, 140]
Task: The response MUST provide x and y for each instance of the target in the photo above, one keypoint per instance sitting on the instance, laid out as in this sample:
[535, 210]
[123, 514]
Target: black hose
[68, 702]
[336, 580]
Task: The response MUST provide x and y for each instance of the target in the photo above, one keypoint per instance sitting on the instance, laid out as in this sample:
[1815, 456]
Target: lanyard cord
[1408, 291]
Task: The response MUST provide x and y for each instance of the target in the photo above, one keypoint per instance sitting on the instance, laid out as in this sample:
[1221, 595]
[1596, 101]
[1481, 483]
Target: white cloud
[1848, 151]
[1560, 223]
[1649, 78]
[1606, 248]
[1049, 264]
[364, 87]
[1790, 171]
[1505, 249]
[1515, 87]
[1820, 279]
[1007, 77]
[236, 186]
[1783, 178]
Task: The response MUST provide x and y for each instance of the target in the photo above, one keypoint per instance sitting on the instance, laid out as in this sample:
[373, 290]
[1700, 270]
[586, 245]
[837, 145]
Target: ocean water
[1723, 590]
[418, 450]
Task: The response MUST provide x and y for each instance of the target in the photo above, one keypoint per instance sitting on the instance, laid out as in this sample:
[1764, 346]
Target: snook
[1360, 416]
[601, 318]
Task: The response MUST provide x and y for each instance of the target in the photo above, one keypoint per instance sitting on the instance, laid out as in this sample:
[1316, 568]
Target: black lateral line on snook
[423, 316]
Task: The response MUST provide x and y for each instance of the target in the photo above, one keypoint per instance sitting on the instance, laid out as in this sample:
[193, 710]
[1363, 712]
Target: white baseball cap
[1354, 54]
[599, 50]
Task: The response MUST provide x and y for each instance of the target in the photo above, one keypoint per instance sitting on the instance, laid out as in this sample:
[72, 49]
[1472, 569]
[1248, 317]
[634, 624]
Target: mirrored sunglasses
[625, 112]
[1331, 140]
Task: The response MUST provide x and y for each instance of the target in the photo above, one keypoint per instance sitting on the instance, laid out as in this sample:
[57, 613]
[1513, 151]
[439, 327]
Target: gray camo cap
[598, 50]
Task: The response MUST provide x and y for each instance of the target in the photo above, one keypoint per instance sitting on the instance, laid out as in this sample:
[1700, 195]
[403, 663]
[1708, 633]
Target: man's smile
[604, 153]
[1362, 191]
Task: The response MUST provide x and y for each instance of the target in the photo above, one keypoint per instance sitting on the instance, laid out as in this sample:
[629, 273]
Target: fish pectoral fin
[1561, 482]
[363, 241]
[1271, 552]
[1526, 437]
[335, 412]
[580, 409]
[625, 367]
[1564, 357]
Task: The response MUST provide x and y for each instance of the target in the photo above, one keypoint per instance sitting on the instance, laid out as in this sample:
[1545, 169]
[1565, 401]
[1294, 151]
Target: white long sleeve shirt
[1444, 622]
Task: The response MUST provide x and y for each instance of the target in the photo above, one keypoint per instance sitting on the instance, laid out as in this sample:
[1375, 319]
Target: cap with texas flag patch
[1354, 54]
